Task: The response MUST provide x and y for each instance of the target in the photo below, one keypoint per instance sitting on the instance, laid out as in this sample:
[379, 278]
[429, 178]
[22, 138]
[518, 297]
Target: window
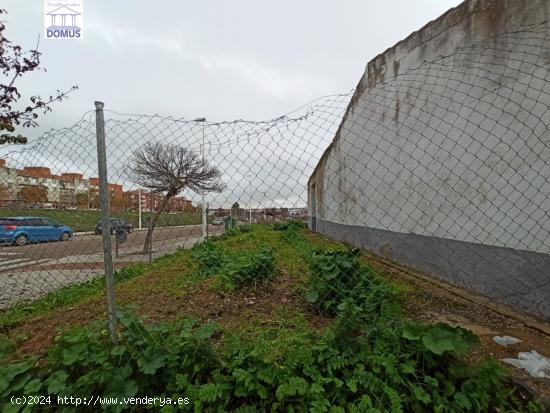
[8, 221]
[48, 222]
[33, 222]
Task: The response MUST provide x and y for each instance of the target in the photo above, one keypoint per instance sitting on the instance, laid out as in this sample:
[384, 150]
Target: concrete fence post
[105, 222]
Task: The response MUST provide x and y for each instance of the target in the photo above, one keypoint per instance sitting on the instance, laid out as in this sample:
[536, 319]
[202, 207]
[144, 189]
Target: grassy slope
[87, 220]
[158, 286]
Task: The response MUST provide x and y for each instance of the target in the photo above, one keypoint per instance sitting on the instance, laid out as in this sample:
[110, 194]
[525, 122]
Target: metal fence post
[151, 213]
[207, 210]
[139, 207]
[105, 215]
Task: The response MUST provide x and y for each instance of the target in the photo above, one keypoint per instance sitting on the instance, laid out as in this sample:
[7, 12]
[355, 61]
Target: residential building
[38, 186]
[154, 200]
[55, 191]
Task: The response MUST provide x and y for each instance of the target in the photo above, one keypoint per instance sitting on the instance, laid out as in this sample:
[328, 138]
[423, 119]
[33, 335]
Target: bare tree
[168, 169]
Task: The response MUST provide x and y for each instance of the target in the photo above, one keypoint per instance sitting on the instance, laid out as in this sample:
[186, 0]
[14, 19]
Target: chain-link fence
[264, 168]
[444, 168]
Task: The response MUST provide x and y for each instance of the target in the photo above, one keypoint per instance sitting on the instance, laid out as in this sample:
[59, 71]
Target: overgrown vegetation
[162, 360]
[244, 228]
[369, 359]
[248, 268]
[291, 224]
[209, 256]
[337, 276]
[236, 269]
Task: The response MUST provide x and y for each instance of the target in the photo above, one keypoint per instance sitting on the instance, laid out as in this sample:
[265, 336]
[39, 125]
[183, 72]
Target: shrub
[230, 232]
[245, 228]
[249, 268]
[336, 276]
[209, 255]
[291, 224]
[297, 224]
[129, 272]
[280, 226]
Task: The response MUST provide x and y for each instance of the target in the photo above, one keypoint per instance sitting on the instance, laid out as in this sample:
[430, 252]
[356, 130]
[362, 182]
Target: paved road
[13, 257]
[31, 271]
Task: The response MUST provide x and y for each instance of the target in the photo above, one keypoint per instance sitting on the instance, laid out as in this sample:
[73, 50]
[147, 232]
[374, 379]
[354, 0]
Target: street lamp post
[151, 212]
[250, 206]
[204, 218]
[139, 207]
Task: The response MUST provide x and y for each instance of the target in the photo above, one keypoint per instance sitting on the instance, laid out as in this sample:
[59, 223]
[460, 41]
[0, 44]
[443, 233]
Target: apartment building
[154, 200]
[38, 186]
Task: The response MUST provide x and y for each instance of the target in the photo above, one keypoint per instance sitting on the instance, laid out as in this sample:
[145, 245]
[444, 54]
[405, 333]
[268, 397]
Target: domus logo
[63, 19]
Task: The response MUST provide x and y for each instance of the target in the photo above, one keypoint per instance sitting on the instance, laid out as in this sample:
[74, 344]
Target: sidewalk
[38, 280]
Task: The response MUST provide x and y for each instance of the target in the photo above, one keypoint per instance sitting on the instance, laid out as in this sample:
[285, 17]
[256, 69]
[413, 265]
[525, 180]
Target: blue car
[23, 230]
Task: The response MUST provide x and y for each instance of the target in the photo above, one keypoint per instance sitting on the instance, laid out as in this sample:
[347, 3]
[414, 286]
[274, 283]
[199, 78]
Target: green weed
[248, 269]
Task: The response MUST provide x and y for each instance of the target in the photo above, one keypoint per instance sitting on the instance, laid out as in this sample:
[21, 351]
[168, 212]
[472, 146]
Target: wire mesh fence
[264, 169]
[444, 167]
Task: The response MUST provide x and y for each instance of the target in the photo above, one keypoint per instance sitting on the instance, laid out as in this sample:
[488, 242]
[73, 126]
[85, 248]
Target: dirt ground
[432, 301]
[203, 301]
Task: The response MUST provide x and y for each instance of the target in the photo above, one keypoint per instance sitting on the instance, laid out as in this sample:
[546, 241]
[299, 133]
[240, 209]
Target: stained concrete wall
[446, 141]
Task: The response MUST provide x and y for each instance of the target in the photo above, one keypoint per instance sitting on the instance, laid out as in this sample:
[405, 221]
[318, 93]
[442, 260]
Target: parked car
[217, 221]
[24, 230]
[115, 224]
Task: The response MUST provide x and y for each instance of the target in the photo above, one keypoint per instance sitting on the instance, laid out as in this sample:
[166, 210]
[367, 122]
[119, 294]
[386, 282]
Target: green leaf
[12, 408]
[463, 401]
[74, 353]
[294, 386]
[421, 394]
[352, 384]
[151, 361]
[443, 338]
[413, 332]
[20, 381]
[431, 381]
[210, 392]
[316, 388]
[57, 382]
[118, 351]
[33, 387]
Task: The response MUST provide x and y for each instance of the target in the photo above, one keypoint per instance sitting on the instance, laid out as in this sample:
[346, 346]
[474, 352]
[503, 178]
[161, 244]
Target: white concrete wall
[448, 134]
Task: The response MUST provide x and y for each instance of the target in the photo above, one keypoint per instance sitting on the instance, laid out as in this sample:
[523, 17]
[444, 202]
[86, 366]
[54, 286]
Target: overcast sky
[221, 59]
